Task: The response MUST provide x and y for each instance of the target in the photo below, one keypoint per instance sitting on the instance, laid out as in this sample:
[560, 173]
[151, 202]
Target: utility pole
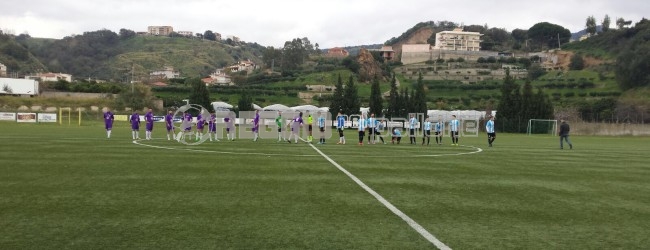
[559, 46]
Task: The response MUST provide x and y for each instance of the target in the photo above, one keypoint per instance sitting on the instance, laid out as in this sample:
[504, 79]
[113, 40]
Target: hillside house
[337, 52]
[458, 39]
[167, 72]
[50, 77]
[160, 30]
[186, 33]
[247, 65]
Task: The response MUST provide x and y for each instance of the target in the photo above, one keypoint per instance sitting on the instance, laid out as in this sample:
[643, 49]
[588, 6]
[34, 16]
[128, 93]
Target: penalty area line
[417, 227]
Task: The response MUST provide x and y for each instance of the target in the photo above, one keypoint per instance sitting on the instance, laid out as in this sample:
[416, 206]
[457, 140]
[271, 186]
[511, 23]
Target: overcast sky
[330, 23]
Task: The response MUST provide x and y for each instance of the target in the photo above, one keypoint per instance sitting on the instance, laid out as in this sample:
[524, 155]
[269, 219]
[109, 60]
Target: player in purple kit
[169, 122]
[256, 125]
[108, 121]
[186, 126]
[135, 125]
[230, 126]
[296, 124]
[212, 126]
[148, 118]
[200, 124]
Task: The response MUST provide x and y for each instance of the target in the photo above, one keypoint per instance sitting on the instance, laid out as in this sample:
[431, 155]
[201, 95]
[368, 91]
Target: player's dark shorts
[309, 128]
[493, 135]
[322, 129]
[376, 131]
[412, 132]
[340, 132]
[454, 133]
[362, 133]
[279, 130]
[427, 133]
[438, 133]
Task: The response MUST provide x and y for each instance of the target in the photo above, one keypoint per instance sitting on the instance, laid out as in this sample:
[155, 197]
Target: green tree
[126, 34]
[393, 101]
[376, 101]
[336, 101]
[245, 102]
[577, 62]
[546, 34]
[606, 23]
[294, 54]
[199, 93]
[136, 98]
[419, 100]
[509, 105]
[351, 103]
[591, 25]
[405, 104]
[632, 66]
[209, 35]
[535, 71]
[272, 57]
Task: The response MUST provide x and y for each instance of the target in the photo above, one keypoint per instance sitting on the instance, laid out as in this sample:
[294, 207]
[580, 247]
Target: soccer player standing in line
[108, 121]
[564, 134]
[489, 128]
[427, 131]
[310, 121]
[212, 127]
[412, 123]
[372, 124]
[295, 123]
[321, 127]
[169, 123]
[256, 125]
[439, 128]
[280, 122]
[379, 126]
[340, 125]
[454, 125]
[135, 125]
[230, 126]
[200, 126]
[363, 123]
[148, 119]
[186, 126]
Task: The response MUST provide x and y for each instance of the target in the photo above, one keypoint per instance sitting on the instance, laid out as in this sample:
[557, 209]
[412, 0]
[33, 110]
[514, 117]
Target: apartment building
[50, 77]
[160, 30]
[458, 39]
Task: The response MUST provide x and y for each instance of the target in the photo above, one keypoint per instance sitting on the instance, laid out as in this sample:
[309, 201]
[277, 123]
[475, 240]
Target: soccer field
[70, 187]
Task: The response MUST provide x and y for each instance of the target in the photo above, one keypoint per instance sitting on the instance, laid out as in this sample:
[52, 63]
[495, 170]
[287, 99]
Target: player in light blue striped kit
[363, 123]
[427, 131]
[454, 125]
[489, 128]
[321, 127]
[412, 123]
[439, 127]
[340, 125]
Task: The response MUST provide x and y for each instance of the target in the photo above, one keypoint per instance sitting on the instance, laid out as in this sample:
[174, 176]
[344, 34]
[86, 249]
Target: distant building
[185, 33]
[168, 72]
[50, 77]
[3, 70]
[233, 38]
[247, 65]
[220, 78]
[458, 40]
[160, 30]
[385, 52]
[218, 36]
[337, 52]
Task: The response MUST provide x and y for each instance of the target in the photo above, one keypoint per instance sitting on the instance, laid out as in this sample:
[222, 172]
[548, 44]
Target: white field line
[388, 205]
[219, 152]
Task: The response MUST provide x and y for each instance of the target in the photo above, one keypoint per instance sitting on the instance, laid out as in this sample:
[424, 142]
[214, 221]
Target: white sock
[108, 133]
[133, 134]
[137, 134]
[168, 137]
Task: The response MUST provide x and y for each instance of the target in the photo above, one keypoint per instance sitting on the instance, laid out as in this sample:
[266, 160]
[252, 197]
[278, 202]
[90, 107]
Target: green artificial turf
[68, 187]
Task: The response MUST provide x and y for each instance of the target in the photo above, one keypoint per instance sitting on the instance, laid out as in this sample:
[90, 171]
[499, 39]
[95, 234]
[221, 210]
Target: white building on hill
[50, 77]
[168, 72]
[458, 40]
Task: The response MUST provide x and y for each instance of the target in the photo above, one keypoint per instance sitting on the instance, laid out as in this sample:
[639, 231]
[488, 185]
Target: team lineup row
[372, 125]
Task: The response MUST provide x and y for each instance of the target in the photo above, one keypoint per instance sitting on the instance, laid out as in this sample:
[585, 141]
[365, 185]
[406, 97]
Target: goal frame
[553, 129]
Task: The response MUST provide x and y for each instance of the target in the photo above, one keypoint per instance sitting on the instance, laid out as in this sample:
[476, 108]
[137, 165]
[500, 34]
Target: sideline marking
[388, 205]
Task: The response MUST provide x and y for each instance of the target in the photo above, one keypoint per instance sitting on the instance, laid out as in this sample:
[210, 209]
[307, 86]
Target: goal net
[542, 127]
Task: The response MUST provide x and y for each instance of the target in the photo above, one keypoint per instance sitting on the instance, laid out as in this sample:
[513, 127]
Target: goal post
[66, 114]
[542, 127]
